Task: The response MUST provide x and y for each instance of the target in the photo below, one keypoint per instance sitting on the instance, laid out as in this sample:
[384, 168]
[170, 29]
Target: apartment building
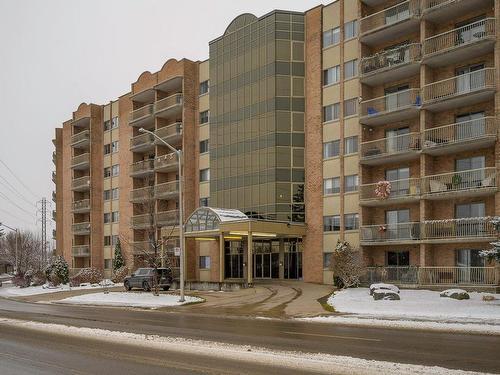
[368, 121]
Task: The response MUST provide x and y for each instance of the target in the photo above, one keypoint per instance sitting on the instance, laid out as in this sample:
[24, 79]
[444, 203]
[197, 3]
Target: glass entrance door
[262, 266]
[293, 260]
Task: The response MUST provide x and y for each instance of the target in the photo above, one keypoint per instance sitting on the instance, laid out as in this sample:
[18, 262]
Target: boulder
[383, 286]
[459, 294]
[385, 294]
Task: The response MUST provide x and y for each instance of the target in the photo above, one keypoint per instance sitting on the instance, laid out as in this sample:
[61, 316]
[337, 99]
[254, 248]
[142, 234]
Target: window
[107, 240]
[204, 87]
[331, 185]
[331, 149]
[351, 69]
[111, 124]
[475, 162]
[108, 264]
[107, 149]
[204, 175]
[351, 183]
[467, 210]
[107, 195]
[115, 170]
[203, 146]
[350, 107]
[114, 239]
[114, 146]
[204, 202]
[107, 218]
[115, 193]
[400, 185]
[115, 216]
[331, 75]
[331, 112]
[351, 221]
[331, 37]
[107, 172]
[204, 262]
[327, 260]
[204, 117]
[350, 145]
[398, 258]
[469, 258]
[351, 29]
[331, 223]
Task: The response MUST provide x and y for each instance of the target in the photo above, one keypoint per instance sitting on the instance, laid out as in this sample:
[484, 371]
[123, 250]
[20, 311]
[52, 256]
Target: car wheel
[165, 288]
[127, 286]
[145, 286]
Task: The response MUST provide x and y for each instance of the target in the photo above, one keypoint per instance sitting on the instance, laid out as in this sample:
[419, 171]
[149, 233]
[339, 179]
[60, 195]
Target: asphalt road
[21, 352]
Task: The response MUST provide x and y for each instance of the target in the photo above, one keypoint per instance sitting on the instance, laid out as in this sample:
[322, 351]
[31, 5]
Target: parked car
[143, 278]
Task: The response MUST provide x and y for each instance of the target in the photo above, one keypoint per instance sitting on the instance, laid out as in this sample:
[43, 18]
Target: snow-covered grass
[299, 361]
[128, 299]
[14, 291]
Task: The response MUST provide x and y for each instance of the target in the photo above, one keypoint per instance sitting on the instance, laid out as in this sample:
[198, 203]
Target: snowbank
[14, 291]
[127, 299]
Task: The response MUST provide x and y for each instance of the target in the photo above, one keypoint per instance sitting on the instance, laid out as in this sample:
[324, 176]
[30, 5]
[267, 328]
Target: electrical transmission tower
[42, 211]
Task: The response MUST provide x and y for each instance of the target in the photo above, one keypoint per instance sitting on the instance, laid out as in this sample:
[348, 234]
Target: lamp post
[17, 235]
[181, 207]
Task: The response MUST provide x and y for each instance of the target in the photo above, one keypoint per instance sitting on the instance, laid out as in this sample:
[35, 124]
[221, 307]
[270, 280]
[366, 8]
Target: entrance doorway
[293, 260]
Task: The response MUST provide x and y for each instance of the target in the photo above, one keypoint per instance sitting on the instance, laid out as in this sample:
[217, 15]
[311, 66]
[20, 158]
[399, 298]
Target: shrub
[58, 267]
[119, 275]
[54, 280]
[87, 275]
[20, 281]
[39, 278]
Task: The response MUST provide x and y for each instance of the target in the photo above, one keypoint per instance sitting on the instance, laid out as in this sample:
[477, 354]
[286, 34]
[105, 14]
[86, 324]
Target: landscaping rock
[488, 297]
[459, 294]
[385, 294]
[383, 286]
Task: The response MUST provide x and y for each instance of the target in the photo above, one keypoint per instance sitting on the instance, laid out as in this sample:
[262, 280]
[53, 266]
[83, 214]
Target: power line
[9, 186]
[14, 216]
[15, 204]
[19, 180]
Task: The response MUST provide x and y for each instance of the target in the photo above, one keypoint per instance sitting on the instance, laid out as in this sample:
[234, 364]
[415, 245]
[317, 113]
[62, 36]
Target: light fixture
[204, 239]
[254, 234]
[232, 237]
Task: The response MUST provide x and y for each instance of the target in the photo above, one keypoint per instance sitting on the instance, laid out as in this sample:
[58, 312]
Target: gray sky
[55, 54]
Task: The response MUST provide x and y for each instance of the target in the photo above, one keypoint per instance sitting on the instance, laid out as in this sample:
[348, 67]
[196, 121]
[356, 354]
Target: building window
[204, 87]
[115, 216]
[204, 117]
[204, 175]
[107, 240]
[114, 239]
[114, 146]
[107, 195]
[107, 172]
[351, 69]
[331, 75]
[331, 37]
[331, 223]
[327, 260]
[350, 145]
[351, 29]
[107, 217]
[351, 183]
[108, 264]
[115, 193]
[351, 221]
[115, 170]
[331, 112]
[331, 185]
[204, 262]
[204, 202]
[203, 146]
[350, 107]
[331, 149]
[107, 149]
[111, 124]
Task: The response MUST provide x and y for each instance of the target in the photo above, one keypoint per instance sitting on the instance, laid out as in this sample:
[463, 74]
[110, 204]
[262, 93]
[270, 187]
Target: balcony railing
[54, 180]
[80, 160]
[81, 205]
[460, 132]
[399, 189]
[397, 13]
[390, 232]
[169, 131]
[81, 183]
[391, 145]
[141, 113]
[437, 275]
[54, 215]
[459, 85]
[142, 221]
[81, 251]
[143, 166]
[141, 141]
[54, 157]
[142, 194]
[391, 102]
[83, 136]
[476, 227]
[81, 228]
[462, 36]
[474, 179]
[166, 189]
[168, 218]
[390, 59]
[54, 196]
[168, 102]
[166, 161]
[141, 247]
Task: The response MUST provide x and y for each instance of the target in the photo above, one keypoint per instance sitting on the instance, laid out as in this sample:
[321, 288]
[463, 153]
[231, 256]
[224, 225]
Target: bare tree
[29, 250]
[347, 264]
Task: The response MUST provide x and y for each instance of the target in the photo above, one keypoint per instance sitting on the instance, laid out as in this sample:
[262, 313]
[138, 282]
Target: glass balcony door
[397, 97]
[470, 78]
[469, 126]
[400, 184]
[395, 220]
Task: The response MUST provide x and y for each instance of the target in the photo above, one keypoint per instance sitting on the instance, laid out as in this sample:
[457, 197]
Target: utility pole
[43, 220]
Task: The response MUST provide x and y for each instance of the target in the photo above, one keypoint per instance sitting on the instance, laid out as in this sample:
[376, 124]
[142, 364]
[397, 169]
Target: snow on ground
[127, 299]
[317, 362]
[14, 291]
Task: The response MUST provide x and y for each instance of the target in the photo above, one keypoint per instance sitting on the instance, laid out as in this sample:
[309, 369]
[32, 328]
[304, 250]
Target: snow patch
[14, 291]
[394, 288]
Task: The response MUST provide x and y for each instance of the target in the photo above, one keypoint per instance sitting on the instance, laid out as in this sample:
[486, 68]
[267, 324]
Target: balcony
[391, 65]
[458, 230]
[80, 251]
[401, 233]
[142, 117]
[166, 163]
[81, 229]
[54, 234]
[54, 196]
[81, 161]
[171, 134]
[462, 136]
[167, 190]
[392, 149]
[141, 247]
[54, 157]
[461, 44]
[81, 140]
[391, 23]
[54, 177]
[81, 184]
[142, 194]
[142, 143]
[167, 218]
[142, 168]
[438, 11]
[462, 90]
[142, 221]
[81, 206]
[394, 107]
[83, 122]
[54, 215]
[402, 191]
[169, 107]
[474, 182]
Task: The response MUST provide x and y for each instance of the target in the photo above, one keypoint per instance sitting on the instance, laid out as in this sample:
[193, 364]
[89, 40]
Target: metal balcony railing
[399, 189]
[81, 205]
[167, 160]
[81, 182]
[390, 59]
[81, 228]
[397, 13]
[142, 194]
[391, 102]
[141, 140]
[83, 136]
[54, 180]
[166, 189]
[473, 179]
[54, 196]
[141, 247]
[462, 36]
[168, 102]
[390, 145]
[142, 221]
[141, 113]
[168, 218]
[390, 232]
[169, 131]
[459, 85]
[142, 166]
[80, 160]
[81, 251]
[475, 227]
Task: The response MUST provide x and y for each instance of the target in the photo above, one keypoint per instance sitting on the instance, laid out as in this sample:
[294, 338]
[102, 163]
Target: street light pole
[181, 208]
[17, 236]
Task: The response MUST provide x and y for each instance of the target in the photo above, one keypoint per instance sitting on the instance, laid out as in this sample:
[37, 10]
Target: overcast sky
[55, 54]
